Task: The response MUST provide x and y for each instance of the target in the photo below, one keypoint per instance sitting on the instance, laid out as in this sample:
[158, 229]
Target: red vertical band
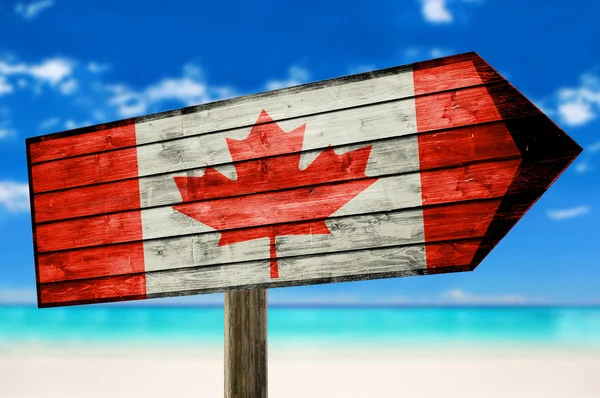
[126, 287]
[91, 262]
[63, 220]
[83, 170]
[51, 148]
[458, 112]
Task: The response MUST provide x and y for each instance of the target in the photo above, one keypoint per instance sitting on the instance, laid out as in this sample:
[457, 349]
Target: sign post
[413, 170]
[246, 343]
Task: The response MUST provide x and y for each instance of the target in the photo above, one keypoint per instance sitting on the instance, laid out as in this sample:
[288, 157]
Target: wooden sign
[411, 170]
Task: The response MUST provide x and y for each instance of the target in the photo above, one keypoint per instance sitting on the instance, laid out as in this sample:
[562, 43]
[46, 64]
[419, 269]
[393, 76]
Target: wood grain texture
[446, 77]
[429, 167]
[444, 223]
[393, 156]
[85, 170]
[477, 181]
[94, 262]
[93, 231]
[324, 96]
[117, 288]
[246, 354]
[89, 140]
[294, 271]
[380, 121]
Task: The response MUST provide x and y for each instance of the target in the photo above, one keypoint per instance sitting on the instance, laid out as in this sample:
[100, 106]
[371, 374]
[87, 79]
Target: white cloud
[68, 87]
[436, 11]
[52, 71]
[189, 89]
[5, 87]
[413, 54]
[14, 196]
[361, 68]
[585, 163]
[185, 90]
[127, 101]
[582, 167]
[296, 75]
[96, 67]
[4, 132]
[462, 297]
[576, 113]
[49, 123]
[577, 106]
[437, 52]
[565, 214]
[72, 124]
[595, 147]
[32, 10]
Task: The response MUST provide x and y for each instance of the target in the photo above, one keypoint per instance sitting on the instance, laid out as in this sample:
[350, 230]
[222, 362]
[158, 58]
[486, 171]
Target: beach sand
[305, 372]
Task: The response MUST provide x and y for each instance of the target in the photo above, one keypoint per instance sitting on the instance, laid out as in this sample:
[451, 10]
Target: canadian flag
[405, 171]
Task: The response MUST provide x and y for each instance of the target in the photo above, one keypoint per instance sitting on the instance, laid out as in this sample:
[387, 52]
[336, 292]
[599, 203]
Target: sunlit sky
[67, 64]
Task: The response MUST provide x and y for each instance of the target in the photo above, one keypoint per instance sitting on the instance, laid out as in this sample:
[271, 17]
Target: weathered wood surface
[463, 107]
[416, 170]
[389, 157]
[246, 355]
[475, 181]
[385, 229]
[367, 88]
[389, 262]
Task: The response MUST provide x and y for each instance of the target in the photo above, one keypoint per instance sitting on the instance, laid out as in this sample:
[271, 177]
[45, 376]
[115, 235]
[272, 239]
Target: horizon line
[325, 305]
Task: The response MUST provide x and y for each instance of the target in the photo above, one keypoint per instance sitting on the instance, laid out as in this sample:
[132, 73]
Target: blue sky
[67, 63]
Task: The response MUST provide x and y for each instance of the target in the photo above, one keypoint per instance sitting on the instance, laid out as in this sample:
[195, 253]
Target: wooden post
[246, 344]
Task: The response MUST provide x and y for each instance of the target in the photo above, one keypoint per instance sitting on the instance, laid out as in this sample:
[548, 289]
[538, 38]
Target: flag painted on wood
[413, 170]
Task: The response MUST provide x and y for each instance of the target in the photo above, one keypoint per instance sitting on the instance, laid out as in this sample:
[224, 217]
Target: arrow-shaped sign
[412, 170]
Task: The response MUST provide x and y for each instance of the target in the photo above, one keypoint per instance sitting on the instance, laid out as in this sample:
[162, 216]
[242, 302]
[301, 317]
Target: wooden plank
[387, 158]
[246, 344]
[325, 96]
[99, 138]
[461, 221]
[204, 249]
[458, 221]
[465, 145]
[93, 262]
[455, 108]
[93, 231]
[337, 267]
[405, 260]
[445, 255]
[85, 201]
[449, 169]
[352, 126]
[266, 175]
[85, 170]
[408, 260]
[397, 155]
[242, 112]
[117, 288]
[446, 77]
[471, 182]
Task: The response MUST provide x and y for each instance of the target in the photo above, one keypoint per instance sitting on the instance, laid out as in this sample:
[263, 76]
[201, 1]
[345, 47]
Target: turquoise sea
[191, 326]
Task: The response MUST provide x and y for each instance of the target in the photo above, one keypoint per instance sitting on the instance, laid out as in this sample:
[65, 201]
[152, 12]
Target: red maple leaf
[266, 196]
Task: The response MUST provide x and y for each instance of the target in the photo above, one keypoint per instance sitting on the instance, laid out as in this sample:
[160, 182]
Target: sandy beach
[305, 372]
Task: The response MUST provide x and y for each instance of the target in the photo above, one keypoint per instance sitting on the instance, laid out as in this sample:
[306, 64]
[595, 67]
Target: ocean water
[191, 326]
